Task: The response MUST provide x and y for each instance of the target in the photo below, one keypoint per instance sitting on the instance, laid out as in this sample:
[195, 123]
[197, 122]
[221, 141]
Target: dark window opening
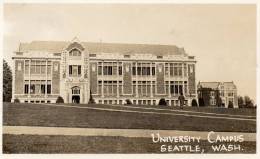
[48, 89]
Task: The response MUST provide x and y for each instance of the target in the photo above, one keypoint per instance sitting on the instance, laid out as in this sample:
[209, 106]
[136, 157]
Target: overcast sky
[222, 37]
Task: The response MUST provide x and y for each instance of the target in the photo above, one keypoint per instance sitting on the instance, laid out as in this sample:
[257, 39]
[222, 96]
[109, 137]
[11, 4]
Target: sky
[222, 37]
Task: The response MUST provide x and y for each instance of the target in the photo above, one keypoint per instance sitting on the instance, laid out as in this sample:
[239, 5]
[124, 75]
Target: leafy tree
[91, 99]
[16, 100]
[128, 102]
[194, 103]
[201, 102]
[219, 102]
[230, 104]
[240, 102]
[59, 100]
[7, 82]
[248, 102]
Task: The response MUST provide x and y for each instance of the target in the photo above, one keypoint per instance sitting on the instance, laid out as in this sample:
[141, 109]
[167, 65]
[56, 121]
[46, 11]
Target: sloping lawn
[23, 114]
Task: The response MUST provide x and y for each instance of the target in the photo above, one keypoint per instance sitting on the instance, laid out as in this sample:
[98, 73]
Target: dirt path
[31, 130]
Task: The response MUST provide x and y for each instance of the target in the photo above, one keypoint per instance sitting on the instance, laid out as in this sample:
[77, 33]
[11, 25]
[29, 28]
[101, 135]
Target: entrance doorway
[76, 99]
[75, 94]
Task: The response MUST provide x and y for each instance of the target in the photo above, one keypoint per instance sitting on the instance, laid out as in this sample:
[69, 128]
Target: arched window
[75, 52]
[75, 90]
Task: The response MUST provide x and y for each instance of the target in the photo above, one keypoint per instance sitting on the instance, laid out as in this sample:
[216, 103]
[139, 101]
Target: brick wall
[127, 78]
[19, 77]
[191, 78]
[56, 77]
[93, 77]
[160, 78]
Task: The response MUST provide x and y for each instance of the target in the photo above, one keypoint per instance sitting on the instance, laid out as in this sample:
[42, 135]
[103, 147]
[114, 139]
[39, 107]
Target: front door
[75, 94]
[76, 99]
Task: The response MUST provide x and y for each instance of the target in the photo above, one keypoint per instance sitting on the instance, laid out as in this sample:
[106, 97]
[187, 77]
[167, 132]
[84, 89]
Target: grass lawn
[23, 114]
[95, 144]
[241, 111]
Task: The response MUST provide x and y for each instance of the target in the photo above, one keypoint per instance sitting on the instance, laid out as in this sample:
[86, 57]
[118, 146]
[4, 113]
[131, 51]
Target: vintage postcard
[129, 78]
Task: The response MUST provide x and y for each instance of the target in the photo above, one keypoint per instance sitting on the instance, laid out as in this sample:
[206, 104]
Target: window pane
[70, 70]
[48, 89]
[79, 70]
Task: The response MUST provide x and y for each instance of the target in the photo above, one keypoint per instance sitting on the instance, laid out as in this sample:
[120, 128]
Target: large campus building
[217, 94]
[110, 72]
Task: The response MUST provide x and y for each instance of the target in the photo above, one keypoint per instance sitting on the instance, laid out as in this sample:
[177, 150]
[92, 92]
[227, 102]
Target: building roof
[212, 85]
[215, 85]
[95, 47]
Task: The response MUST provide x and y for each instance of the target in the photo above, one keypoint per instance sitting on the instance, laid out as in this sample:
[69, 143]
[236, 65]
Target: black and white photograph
[129, 78]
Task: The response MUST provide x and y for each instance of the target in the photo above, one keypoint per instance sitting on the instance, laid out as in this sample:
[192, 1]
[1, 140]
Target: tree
[91, 99]
[59, 100]
[248, 102]
[240, 102]
[162, 102]
[230, 104]
[194, 103]
[7, 82]
[128, 102]
[201, 102]
[219, 102]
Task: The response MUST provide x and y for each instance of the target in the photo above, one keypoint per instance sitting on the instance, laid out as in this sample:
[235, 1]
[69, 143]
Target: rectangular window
[49, 69]
[99, 70]
[79, 70]
[43, 89]
[48, 89]
[107, 70]
[26, 89]
[185, 70]
[32, 89]
[134, 71]
[139, 71]
[175, 71]
[153, 71]
[92, 55]
[70, 69]
[180, 71]
[38, 69]
[148, 71]
[26, 68]
[120, 70]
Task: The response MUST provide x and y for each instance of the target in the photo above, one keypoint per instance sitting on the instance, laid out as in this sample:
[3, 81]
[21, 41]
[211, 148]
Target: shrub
[59, 100]
[128, 102]
[16, 100]
[194, 103]
[201, 102]
[91, 99]
[230, 104]
[162, 101]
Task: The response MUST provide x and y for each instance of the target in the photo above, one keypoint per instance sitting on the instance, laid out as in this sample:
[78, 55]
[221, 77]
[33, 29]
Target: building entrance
[75, 94]
[76, 99]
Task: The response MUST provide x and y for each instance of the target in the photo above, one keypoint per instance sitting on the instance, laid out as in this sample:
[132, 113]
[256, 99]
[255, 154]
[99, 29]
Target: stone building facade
[111, 72]
[217, 94]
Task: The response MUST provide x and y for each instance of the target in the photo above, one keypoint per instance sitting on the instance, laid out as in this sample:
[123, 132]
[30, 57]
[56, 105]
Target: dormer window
[92, 55]
[126, 56]
[159, 57]
[75, 52]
